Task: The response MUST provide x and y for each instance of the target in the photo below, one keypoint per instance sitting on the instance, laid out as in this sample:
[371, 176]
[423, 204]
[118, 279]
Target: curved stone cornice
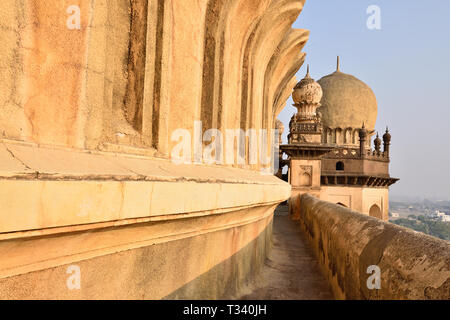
[284, 66]
[232, 47]
[284, 95]
[274, 25]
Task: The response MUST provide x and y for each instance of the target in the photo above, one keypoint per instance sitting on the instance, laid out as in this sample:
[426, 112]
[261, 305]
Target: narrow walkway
[291, 271]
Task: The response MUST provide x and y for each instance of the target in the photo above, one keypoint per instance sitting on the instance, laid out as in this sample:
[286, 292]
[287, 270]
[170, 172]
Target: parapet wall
[413, 265]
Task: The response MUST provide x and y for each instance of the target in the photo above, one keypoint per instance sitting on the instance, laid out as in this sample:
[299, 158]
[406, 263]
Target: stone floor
[291, 271]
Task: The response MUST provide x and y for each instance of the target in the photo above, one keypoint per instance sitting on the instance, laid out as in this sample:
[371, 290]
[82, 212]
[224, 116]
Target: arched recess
[285, 92]
[330, 135]
[348, 136]
[112, 105]
[375, 211]
[241, 37]
[211, 77]
[264, 45]
[270, 32]
[178, 98]
[246, 14]
[282, 68]
[228, 26]
[133, 54]
[339, 136]
[280, 75]
[356, 136]
[305, 179]
[82, 81]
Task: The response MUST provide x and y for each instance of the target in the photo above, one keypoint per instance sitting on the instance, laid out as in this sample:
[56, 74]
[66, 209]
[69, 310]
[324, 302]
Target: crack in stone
[12, 155]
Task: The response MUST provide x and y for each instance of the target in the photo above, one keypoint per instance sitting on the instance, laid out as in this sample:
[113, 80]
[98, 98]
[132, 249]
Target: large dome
[347, 102]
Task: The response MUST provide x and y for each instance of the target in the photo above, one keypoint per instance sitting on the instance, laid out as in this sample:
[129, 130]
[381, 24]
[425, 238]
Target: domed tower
[305, 126]
[329, 151]
[347, 102]
[305, 147]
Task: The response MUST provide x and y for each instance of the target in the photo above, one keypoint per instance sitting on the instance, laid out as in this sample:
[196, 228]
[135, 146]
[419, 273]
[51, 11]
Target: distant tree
[433, 228]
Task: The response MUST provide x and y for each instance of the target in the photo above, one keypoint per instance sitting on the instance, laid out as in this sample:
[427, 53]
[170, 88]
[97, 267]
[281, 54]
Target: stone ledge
[23, 160]
[413, 265]
[46, 190]
[27, 255]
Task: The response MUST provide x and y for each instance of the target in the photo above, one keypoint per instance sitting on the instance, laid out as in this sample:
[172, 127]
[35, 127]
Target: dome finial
[307, 71]
[337, 66]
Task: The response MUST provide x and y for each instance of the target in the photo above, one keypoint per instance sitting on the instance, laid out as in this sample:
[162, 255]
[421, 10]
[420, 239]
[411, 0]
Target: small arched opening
[340, 166]
[375, 212]
[328, 136]
[341, 204]
[339, 138]
[305, 179]
[348, 136]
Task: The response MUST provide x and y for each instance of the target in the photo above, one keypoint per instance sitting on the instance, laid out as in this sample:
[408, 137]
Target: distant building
[441, 216]
[329, 147]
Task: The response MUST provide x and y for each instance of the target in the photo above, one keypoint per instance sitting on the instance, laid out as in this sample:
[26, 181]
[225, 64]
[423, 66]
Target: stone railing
[352, 247]
[353, 153]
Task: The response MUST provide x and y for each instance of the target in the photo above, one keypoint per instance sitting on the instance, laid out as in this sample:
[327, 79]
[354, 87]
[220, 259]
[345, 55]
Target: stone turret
[362, 140]
[306, 126]
[377, 144]
[387, 142]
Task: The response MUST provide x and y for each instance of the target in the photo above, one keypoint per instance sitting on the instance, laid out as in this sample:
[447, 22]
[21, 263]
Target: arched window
[305, 179]
[340, 166]
[329, 136]
[348, 136]
[356, 137]
[375, 211]
[339, 138]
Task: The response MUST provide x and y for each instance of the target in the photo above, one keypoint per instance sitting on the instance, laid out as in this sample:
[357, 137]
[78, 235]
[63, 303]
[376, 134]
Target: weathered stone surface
[192, 258]
[413, 265]
[290, 272]
[86, 138]
[138, 70]
[100, 188]
[347, 102]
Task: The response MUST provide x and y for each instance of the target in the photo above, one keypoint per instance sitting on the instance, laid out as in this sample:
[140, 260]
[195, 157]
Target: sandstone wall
[86, 130]
[413, 265]
[136, 71]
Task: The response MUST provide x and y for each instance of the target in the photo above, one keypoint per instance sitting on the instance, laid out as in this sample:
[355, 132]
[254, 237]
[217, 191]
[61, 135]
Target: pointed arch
[375, 211]
[282, 69]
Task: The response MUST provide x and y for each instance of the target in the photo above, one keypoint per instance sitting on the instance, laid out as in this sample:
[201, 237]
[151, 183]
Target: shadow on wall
[225, 280]
[167, 270]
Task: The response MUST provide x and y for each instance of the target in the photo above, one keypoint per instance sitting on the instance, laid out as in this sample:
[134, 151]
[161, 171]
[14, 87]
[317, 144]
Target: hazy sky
[407, 64]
